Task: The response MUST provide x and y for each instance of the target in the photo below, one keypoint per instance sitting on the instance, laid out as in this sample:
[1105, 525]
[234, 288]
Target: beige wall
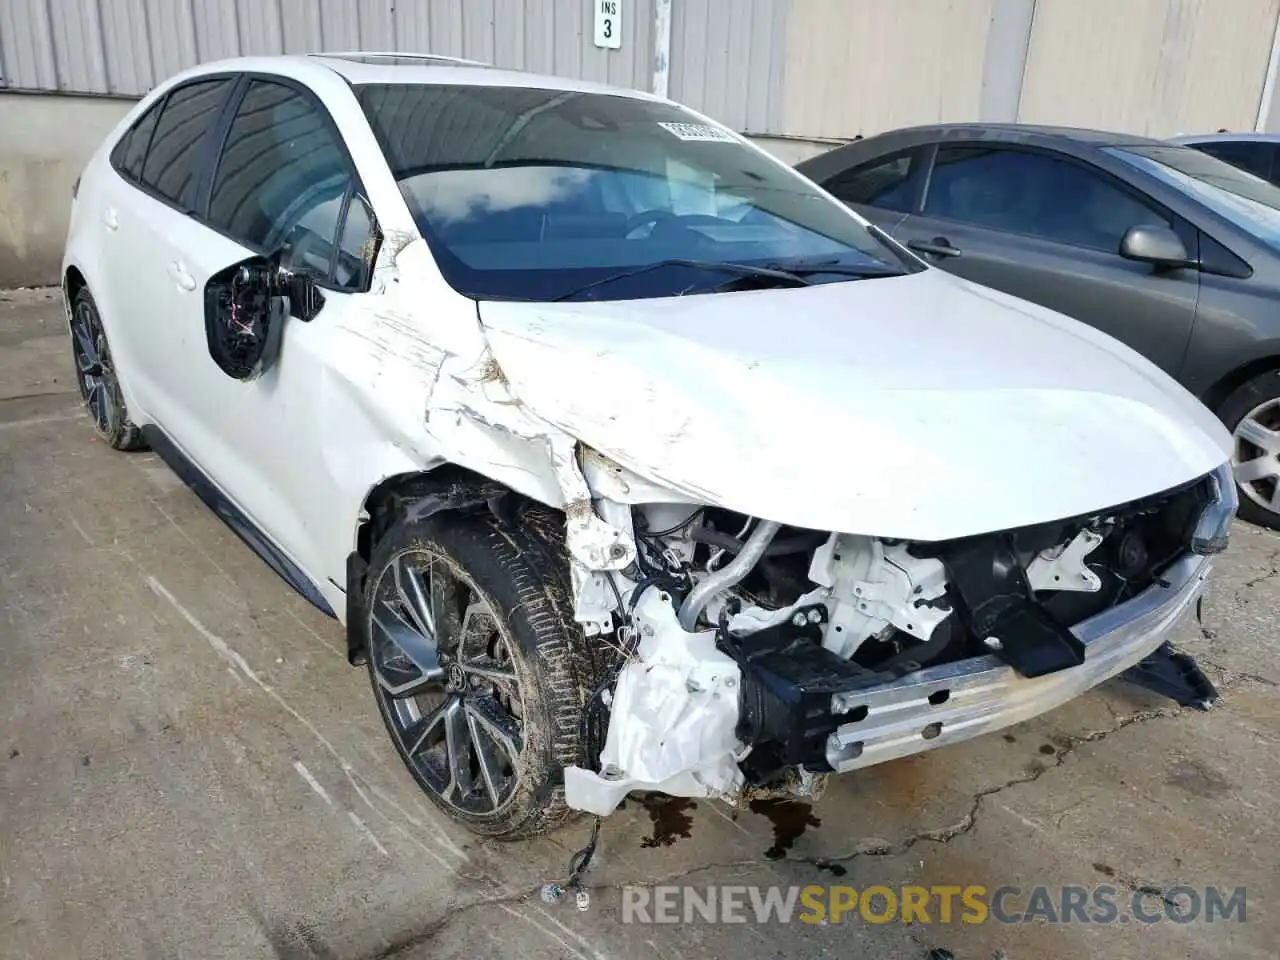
[1154, 67]
[44, 144]
[863, 66]
[792, 150]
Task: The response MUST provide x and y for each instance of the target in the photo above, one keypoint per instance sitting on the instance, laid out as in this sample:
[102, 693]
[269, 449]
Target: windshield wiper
[741, 269]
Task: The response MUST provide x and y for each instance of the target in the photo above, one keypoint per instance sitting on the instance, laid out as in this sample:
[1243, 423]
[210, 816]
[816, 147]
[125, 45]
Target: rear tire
[489, 713]
[97, 378]
[1252, 414]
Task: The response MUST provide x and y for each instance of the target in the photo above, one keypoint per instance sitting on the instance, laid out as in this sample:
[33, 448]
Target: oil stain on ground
[669, 817]
[790, 820]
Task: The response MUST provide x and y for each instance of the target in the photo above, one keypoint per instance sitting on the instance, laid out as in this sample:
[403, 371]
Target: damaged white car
[630, 459]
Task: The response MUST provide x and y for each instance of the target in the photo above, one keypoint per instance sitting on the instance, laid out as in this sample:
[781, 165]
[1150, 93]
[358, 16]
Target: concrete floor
[188, 767]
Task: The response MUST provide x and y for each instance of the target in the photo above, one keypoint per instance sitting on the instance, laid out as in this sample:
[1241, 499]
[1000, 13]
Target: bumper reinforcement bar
[952, 702]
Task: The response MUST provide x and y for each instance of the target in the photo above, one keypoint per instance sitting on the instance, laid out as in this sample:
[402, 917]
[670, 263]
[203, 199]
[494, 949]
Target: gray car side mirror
[1157, 245]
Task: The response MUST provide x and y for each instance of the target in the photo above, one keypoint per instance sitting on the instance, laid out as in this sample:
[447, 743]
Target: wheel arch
[419, 494]
[73, 281]
[415, 495]
[1238, 376]
[81, 270]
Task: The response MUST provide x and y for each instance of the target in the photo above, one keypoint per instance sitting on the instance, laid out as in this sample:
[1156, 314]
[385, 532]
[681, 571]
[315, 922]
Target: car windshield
[1251, 203]
[536, 194]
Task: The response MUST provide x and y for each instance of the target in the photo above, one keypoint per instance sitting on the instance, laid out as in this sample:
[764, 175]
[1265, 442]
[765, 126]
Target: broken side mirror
[245, 307]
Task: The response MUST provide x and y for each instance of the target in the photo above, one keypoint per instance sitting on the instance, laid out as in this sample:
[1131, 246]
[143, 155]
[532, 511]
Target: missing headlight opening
[754, 658]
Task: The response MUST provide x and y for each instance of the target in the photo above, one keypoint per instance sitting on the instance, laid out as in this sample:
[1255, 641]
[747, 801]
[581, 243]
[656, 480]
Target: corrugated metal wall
[124, 47]
[801, 68]
[1155, 67]
[727, 60]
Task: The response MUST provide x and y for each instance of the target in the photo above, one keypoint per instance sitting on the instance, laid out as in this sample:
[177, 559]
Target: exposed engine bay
[751, 655]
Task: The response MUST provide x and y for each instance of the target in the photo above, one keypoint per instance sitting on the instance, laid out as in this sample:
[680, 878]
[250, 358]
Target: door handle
[182, 276]
[110, 219]
[937, 247]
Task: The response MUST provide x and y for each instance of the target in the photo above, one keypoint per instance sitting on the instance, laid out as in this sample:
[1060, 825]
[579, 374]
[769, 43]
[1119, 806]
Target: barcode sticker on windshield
[698, 131]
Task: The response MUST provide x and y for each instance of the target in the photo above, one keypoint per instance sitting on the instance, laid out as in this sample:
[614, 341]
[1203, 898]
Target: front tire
[97, 378]
[479, 670]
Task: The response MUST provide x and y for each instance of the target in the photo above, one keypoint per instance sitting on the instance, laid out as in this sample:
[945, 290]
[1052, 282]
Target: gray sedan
[1164, 247]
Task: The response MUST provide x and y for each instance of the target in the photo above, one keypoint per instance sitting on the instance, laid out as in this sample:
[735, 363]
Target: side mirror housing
[1156, 245]
[245, 306]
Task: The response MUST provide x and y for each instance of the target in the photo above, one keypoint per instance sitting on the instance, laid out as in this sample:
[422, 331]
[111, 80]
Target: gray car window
[884, 183]
[1033, 194]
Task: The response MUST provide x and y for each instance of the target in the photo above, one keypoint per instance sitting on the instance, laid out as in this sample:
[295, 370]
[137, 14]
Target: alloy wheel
[447, 683]
[95, 376]
[1255, 455]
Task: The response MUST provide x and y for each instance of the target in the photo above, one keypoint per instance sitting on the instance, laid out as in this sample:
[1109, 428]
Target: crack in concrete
[423, 935]
[879, 848]
[1233, 678]
[38, 396]
[966, 823]
[1134, 885]
[1273, 563]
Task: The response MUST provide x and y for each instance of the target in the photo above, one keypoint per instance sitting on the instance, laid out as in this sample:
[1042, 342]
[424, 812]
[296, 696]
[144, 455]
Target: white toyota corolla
[629, 458]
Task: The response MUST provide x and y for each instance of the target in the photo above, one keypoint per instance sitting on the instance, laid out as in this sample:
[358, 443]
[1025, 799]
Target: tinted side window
[281, 177]
[883, 183]
[1033, 194]
[176, 148]
[132, 148]
[1256, 158]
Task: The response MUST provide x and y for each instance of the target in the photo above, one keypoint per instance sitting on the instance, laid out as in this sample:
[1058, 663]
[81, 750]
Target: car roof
[363, 67]
[1033, 131]
[1077, 141]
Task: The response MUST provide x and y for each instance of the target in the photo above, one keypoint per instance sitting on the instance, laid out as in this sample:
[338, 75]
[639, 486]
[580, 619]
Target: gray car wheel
[1252, 414]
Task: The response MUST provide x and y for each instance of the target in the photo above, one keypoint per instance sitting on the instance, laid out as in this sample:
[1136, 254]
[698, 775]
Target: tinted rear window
[178, 144]
[132, 148]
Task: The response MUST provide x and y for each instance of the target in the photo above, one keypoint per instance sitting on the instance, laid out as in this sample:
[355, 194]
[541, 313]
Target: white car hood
[921, 407]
